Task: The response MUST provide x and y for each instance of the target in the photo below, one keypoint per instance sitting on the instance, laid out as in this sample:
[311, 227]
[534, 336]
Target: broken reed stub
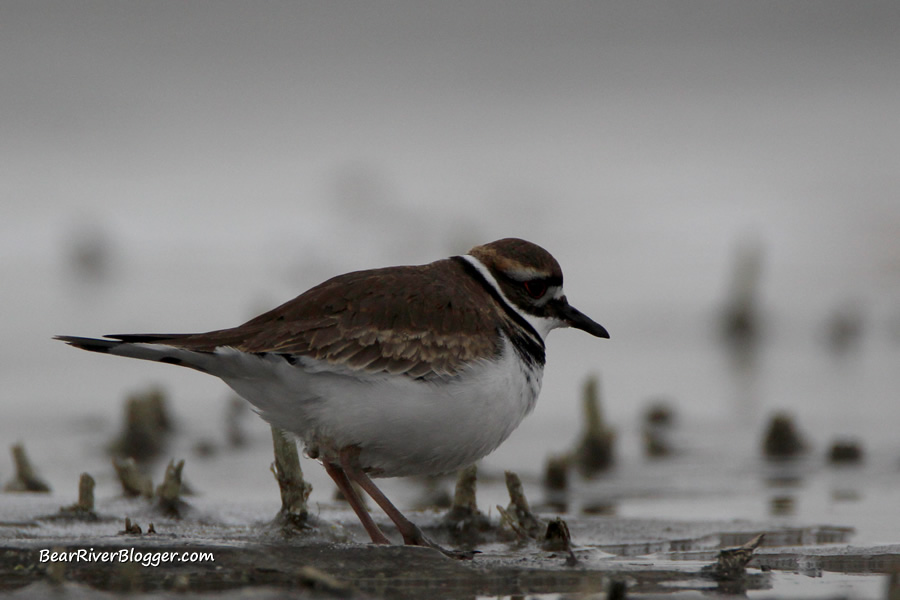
[84, 508]
[132, 528]
[558, 539]
[595, 451]
[556, 473]
[732, 562]
[86, 492]
[782, 505]
[293, 487]
[657, 423]
[134, 482]
[146, 427]
[741, 316]
[846, 452]
[660, 412]
[782, 438]
[518, 513]
[465, 523]
[464, 492]
[556, 483]
[168, 494]
[26, 478]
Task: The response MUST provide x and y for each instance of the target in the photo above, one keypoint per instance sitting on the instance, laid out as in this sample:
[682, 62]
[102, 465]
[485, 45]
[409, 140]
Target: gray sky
[628, 124]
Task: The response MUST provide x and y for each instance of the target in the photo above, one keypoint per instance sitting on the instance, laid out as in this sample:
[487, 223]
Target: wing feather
[422, 321]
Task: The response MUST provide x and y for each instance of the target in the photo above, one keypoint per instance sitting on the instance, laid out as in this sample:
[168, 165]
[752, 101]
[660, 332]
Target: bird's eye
[536, 288]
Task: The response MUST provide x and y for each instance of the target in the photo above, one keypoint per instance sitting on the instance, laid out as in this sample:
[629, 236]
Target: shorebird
[409, 370]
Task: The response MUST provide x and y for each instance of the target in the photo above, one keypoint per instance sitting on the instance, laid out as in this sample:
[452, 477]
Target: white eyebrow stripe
[525, 274]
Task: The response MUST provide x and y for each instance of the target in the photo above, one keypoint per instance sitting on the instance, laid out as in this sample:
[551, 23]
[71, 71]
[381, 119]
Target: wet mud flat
[695, 515]
[179, 539]
[224, 556]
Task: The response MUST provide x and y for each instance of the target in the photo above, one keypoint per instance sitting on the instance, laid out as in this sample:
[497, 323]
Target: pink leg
[411, 534]
[340, 478]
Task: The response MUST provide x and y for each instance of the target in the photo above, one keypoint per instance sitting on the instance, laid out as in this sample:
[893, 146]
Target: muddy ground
[330, 559]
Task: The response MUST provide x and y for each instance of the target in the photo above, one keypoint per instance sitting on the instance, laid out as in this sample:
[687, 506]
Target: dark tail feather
[143, 346]
[92, 344]
[110, 341]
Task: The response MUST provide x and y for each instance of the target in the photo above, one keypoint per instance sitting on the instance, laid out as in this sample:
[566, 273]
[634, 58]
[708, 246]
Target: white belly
[401, 425]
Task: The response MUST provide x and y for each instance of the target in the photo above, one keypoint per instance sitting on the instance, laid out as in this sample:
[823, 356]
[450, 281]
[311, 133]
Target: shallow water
[829, 530]
[66, 406]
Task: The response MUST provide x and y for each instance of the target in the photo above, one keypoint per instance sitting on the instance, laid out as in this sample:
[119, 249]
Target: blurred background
[718, 179]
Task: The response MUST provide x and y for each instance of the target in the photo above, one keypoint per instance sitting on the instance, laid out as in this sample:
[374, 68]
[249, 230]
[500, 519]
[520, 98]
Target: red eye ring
[535, 288]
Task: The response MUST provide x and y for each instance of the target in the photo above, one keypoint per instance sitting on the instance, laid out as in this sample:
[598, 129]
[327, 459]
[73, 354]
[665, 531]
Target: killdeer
[408, 370]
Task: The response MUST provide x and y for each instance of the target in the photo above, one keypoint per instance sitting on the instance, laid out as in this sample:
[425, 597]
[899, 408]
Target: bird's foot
[415, 537]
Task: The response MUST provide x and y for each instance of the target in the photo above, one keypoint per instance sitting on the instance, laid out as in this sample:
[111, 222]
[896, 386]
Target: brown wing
[422, 320]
